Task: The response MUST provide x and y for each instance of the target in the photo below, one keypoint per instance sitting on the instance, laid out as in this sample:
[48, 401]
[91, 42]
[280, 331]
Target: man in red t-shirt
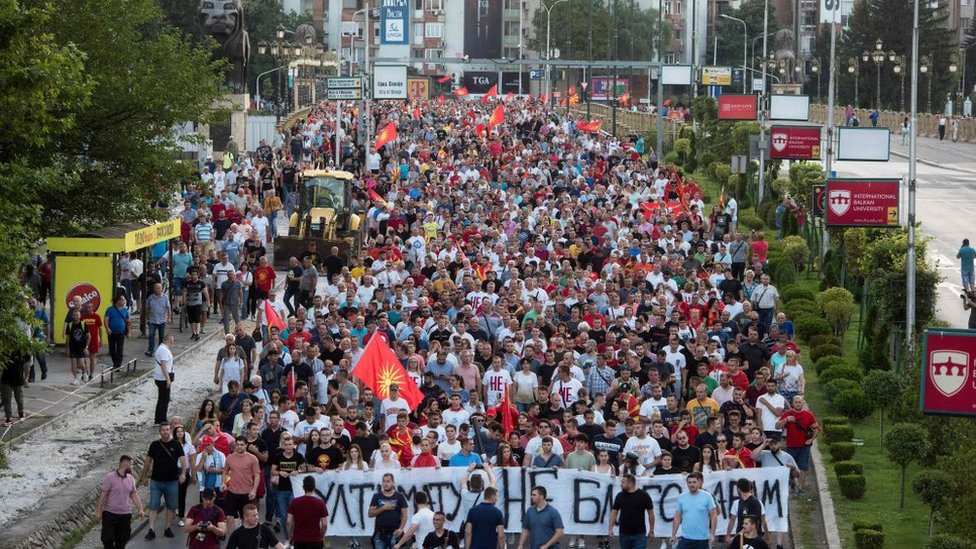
[94, 324]
[205, 523]
[801, 430]
[401, 440]
[307, 518]
[264, 278]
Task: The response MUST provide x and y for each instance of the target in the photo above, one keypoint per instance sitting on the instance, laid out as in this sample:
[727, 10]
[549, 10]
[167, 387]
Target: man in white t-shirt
[421, 523]
[534, 445]
[496, 382]
[644, 445]
[163, 375]
[289, 418]
[456, 415]
[771, 405]
[567, 387]
[393, 405]
[260, 224]
[451, 446]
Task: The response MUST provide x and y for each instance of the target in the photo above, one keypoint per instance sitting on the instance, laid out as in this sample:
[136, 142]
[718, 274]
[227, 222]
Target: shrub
[947, 541]
[842, 468]
[838, 306]
[838, 386]
[827, 349]
[867, 525]
[783, 272]
[749, 220]
[795, 249]
[799, 307]
[838, 433]
[791, 293]
[809, 326]
[826, 362]
[841, 371]
[672, 158]
[819, 340]
[852, 487]
[868, 539]
[843, 451]
[854, 404]
[834, 420]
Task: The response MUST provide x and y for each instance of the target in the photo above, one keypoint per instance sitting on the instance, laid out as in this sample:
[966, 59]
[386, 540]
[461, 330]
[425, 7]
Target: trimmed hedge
[841, 371]
[838, 433]
[838, 386]
[808, 326]
[826, 362]
[867, 525]
[834, 420]
[827, 349]
[791, 293]
[854, 404]
[852, 487]
[783, 272]
[868, 539]
[819, 340]
[848, 467]
[751, 221]
[843, 451]
[799, 308]
[948, 541]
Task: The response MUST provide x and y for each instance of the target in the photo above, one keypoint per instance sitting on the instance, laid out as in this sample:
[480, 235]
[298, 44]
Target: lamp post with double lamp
[854, 67]
[282, 51]
[924, 62]
[815, 69]
[878, 56]
[899, 69]
[953, 67]
[548, 9]
[745, 40]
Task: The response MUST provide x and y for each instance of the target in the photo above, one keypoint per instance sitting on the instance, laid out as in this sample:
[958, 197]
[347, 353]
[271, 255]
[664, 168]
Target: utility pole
[912, 184]
[368, 121]
[828, 161]
[762, 107]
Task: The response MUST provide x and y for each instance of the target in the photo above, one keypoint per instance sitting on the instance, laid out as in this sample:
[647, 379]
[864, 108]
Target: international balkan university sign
[949, 372]
[862, 202]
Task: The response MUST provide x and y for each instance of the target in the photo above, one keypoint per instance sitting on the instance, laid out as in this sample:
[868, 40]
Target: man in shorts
[93, 323]
[801, 430]
[164, 470]
[244, 476]
[196, 296]
[77, 336]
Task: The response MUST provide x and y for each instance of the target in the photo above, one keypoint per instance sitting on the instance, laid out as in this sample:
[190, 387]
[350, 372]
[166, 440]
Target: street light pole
[762, 106]
[745, 42]
[548, 41]
[912, 160]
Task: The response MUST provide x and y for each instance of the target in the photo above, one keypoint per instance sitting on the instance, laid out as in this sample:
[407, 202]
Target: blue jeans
[271, 498]
[168, 490]
[633, 541]
[153, 328]
[244, 303]
[283, 497]
[383, 539]
[685, 543]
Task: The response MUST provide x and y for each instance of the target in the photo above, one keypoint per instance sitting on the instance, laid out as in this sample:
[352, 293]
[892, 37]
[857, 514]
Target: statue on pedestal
[224, 21]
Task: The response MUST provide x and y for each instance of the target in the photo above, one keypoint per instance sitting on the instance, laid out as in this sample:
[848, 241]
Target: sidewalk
[941, 154]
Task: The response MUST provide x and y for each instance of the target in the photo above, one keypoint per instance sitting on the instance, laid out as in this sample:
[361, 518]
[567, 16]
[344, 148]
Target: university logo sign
[839, 201]
[780, 141]
[949, 371]
[947, 380]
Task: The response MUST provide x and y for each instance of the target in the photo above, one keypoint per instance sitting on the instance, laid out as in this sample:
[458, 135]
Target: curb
[930, 163]
[826, 501]
[98, 399]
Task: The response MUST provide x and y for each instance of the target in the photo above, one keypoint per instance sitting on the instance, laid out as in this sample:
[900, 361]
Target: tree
[620, 30]
[730, 37]
[935, 488]
[907, 442]
[888, 20]
[885, 389]
[146, 78]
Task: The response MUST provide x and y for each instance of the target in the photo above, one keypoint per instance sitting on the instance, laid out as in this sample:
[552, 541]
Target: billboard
[479, 82]
[736, 107]
[676, 75]
[418, 88]
[483, 29]
[794, 142]
[87, 277]
[389, 82]
[394, 22]
[864, 144]
[862, 202]
[947, 372]
[510, 83]
[789, 107]
[601, 88]
[716, 76]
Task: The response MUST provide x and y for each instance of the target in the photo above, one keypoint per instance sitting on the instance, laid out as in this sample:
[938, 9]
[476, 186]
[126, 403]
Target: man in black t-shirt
[168, 464]
[196, 296]
[440, 537]
[632, 504]
[285, 463]
[252, 534]
[685, 456]
[293, 279]
[389, 508]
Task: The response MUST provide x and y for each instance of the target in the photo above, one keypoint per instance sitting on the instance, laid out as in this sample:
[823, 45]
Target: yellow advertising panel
[88, 277]
[716, 76]
[418, 88]
[160, 232]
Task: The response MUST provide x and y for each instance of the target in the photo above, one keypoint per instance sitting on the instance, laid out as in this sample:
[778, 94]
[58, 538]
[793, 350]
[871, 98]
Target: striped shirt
[204, 232]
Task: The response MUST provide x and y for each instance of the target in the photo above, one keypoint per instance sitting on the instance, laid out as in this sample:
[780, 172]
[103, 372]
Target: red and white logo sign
[736, 107]
[794, 142]
[88, 293]
[779, 141]
[839, 201]
[949, 371]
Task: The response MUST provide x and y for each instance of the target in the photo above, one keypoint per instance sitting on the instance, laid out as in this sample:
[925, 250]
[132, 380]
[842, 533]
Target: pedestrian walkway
[944, 154]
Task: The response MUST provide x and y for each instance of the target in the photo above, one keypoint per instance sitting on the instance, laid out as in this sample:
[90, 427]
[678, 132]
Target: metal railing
[125, 370]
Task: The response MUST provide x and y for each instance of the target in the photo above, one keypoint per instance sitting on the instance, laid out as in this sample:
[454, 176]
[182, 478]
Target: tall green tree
[146, 77]
[620, 30]
[42, 83]
[730, 36]
[891, 21]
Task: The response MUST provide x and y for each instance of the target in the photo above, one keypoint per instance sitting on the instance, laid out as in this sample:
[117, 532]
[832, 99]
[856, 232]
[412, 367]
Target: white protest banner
[583, 499]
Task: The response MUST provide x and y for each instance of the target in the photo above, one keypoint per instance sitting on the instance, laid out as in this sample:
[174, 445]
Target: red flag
[444, 79]
[544, 98]
[667, 102]
[461, 92]
[529, 97]
[509, 95]
[497, 117]
[491, 93]
[440, 98]
[291, 383]
[272, 316]
[378, 368]
[375, 197]
[479, 130]
[507, 425]
[387, 134]
[416, 113]
[623, 98]
[572, 90]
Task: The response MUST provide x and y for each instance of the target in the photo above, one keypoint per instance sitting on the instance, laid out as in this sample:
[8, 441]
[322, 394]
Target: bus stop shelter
[87, 265]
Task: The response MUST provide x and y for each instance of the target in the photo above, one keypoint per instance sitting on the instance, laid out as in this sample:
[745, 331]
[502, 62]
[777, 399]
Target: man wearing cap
[205, 523]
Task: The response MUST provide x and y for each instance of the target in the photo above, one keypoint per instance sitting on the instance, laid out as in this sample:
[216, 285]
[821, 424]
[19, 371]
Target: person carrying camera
[205, 523]
[969, 304]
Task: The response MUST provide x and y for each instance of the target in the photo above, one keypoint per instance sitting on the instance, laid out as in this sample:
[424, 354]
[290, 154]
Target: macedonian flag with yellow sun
[379, 368]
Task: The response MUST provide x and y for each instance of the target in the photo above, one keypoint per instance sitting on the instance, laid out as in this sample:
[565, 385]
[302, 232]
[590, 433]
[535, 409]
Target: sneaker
[43, 376]
[180, 523]
[76, 381]
[150, 535]
[148, 353]
[168, 533]
[8, 423]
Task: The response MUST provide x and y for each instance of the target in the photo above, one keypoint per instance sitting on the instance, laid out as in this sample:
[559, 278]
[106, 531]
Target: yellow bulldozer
[323, 216]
